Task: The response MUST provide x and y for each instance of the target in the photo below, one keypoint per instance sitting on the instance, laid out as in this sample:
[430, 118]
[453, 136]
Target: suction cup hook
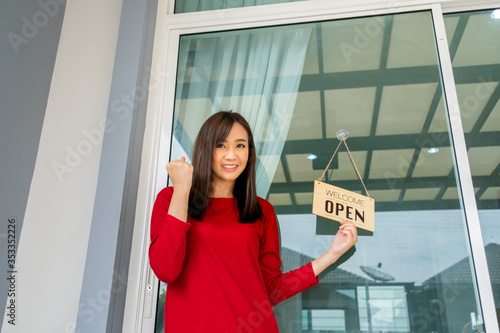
[342, 134]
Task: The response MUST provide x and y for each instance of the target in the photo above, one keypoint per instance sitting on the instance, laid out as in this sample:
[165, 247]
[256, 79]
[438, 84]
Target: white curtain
[253, 72]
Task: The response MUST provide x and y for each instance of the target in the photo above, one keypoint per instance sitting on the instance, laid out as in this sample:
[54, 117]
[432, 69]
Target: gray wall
[105, 281]
[30, 32]
[28, 46]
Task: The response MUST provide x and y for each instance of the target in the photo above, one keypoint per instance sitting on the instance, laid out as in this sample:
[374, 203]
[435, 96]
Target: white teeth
[229, 165]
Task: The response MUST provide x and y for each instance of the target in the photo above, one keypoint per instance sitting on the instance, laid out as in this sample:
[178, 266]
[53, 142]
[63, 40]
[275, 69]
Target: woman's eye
[241, 145]
[219, 145]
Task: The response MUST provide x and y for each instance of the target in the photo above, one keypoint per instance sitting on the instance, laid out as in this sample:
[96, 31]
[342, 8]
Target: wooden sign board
[337, 204]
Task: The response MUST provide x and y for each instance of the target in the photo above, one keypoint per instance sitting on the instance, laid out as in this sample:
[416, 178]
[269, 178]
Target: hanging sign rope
[337, 204]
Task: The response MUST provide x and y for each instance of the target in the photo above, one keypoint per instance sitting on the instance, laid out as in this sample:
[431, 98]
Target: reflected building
[345, 301]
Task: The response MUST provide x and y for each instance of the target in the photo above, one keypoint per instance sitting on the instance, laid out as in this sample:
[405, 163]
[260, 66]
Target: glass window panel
[484, 160]
[430, 163]
[492, 124]
[344, 108]
[383, 308]
[279, 176]
[385, 195]
[344, 170]
[329, 320]
[472, 98]
[312, 63]
[352, 45]
[481, 28]
[400, 109]
[305, 320]
[281, 198]
[299, 84]
[408, 48]
[390, 163]
[189, 6]
[308, 112]
[475, 54]
[421, 194]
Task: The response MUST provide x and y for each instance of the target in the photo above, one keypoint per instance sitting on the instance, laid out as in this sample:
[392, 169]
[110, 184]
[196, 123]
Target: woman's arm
[168, 239]
[181, 175]
[281, 286]
[345, 238]
[169, 225]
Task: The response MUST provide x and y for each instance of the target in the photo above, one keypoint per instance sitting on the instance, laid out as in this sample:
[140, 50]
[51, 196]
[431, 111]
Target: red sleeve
[168, 239]
[280, 286]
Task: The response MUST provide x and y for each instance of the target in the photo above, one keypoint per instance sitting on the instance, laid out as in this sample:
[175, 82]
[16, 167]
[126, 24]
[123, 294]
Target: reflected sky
[411, 245]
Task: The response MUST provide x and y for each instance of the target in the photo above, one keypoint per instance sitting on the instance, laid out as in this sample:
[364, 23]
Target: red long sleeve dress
[223, 276]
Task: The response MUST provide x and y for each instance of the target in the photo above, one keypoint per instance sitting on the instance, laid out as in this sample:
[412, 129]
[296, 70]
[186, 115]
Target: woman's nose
[230, 153]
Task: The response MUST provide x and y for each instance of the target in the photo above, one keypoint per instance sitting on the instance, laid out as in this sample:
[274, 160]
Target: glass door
[378, 78]
[476, 67]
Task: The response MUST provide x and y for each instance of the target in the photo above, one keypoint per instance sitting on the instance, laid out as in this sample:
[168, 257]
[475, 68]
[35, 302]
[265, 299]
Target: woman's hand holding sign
[345, 238]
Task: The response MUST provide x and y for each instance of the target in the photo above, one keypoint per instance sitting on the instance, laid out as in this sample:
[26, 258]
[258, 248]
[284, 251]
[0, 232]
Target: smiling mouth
[230, 166]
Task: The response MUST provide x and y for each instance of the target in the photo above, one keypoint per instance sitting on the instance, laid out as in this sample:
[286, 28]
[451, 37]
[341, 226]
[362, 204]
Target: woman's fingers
[179, 164]
[349, 229]
[180, 173]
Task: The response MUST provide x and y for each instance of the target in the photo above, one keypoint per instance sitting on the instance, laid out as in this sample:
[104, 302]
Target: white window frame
[142, 289]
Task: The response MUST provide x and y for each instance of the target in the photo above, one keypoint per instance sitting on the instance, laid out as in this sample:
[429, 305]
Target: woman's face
[230, 157]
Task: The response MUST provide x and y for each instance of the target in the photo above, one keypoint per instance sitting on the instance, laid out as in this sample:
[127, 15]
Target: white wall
[53, 244]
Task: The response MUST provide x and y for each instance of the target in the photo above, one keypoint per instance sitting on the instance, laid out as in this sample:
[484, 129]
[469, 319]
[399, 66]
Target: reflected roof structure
[460, 272]
[292, 259]
[380, 102]
[379, 78]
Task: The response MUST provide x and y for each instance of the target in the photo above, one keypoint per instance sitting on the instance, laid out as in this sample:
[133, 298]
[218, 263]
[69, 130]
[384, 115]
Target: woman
[216, 243]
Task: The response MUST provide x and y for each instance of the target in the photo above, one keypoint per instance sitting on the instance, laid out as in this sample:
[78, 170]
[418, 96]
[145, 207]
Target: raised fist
[181, 174]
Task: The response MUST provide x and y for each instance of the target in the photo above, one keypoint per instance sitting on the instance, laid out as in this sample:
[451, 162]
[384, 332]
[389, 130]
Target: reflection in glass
[378, 78]
[383, 308]
[188, 6]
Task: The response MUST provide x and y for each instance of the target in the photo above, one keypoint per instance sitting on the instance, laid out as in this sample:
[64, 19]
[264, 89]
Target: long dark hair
[215, 130]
